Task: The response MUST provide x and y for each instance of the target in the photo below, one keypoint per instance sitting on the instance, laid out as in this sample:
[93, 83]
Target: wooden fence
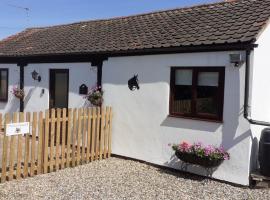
[61, 138]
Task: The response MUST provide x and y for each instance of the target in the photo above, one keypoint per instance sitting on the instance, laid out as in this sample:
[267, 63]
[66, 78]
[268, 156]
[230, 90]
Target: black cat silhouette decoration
[133, 83]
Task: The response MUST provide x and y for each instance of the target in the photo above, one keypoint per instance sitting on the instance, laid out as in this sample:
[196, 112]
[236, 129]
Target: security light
[236, 59]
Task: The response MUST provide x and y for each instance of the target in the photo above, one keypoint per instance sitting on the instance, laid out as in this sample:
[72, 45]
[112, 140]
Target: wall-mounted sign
[83, 89]
[17, 128]
[133, 83]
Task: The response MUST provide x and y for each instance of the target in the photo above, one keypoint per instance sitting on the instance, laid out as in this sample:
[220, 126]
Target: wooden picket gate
[61, 138]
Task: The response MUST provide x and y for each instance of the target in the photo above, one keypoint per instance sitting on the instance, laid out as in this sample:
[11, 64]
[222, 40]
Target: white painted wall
[142, 128]
[79, 73]
[12, 105]
[260, 108]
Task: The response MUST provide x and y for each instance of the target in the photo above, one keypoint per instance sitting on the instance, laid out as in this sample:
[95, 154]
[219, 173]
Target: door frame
[50, 83]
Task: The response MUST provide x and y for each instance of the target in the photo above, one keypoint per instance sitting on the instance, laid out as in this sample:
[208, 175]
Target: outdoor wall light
[236, 59]
[36, 76]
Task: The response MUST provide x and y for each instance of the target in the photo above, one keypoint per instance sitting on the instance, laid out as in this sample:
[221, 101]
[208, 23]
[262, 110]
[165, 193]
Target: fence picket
[101, 143]
[84, 135]
[88, 135]
[52, 135]
[106, 132]
[40, 143]
[63, 138]
[79, 136]
[11, 151]
[19, 150]
[68, 136]
[1, 122]
[33, 144]
[110, 134]
[4, 152]
[93, 134]
[74, 136]
[46, 141]
[97, 134]
[58, 126]
[27, 146]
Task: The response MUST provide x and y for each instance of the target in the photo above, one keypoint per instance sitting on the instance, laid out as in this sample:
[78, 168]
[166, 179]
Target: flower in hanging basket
[206, 156]
[95, 96]
[17, 92]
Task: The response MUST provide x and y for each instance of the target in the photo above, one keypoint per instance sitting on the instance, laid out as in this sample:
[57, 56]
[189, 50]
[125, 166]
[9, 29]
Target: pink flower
[184, 146]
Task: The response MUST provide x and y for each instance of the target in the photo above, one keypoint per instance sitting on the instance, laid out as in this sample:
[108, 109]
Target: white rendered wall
[79, 73]
[142, 128]
[260, 108]
[13, 104]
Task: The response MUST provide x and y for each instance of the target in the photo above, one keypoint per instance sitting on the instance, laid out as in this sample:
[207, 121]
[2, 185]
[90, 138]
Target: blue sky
[13, 18]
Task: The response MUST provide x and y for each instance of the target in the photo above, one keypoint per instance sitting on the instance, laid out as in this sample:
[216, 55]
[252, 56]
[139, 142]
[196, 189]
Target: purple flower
[226, 156]
[208, 150]
[197, 145]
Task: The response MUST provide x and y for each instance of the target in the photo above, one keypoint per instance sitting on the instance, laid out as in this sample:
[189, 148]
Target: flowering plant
[197, 153]
[95, 96]
[17, 92]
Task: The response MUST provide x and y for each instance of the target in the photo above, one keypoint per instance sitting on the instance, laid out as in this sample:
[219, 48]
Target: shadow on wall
[28, 96]
[190, 124]
[14, 105]
[175, 163]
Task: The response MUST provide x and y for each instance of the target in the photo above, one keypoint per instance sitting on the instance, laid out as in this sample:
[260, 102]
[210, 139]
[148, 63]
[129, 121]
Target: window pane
[182, 99]
[183, 91]
[183, 77]
[208, 79]
[3, 85]
[207, 93]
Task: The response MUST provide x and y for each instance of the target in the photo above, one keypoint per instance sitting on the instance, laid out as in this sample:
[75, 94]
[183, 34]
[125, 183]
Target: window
[3, 84]
[197, 92]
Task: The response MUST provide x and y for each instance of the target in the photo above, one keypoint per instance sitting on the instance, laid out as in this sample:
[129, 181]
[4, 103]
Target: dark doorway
[59, 87]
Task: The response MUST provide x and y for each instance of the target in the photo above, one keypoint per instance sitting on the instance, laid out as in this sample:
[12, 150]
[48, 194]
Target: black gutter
[103, 55]
[99, 63]
[246, 100]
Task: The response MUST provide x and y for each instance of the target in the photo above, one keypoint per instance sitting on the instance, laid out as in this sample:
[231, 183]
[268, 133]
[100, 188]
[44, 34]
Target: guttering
[246, 100]
[103, 55]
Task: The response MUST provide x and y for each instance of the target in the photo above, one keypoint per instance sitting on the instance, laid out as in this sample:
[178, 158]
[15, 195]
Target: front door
[59, 79]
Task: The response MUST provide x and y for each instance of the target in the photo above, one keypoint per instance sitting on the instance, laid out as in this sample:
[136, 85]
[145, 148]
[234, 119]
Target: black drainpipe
[99, 63]
[246, 100]
[22, 65]
[99, 74]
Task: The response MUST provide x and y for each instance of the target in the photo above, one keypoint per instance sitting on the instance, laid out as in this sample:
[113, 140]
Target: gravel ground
[116, 178]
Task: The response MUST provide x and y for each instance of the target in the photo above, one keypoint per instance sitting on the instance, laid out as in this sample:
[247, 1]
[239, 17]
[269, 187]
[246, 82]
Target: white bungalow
[201, 72]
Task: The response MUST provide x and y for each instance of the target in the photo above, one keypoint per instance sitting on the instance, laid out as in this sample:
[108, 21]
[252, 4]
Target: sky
[17, 15]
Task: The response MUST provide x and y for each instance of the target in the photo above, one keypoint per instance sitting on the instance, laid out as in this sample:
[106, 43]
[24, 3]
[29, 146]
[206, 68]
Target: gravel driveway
[116, 178]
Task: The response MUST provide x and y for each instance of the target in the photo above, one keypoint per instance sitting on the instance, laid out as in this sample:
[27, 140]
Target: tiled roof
[236, 21]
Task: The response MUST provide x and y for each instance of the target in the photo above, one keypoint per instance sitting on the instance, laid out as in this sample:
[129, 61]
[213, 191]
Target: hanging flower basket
[17, 92]
[95, 96]
[196, 160]
[197, 154]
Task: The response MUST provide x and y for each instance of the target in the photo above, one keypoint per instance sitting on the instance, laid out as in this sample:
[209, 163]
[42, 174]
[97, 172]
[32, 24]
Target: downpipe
[246, 96]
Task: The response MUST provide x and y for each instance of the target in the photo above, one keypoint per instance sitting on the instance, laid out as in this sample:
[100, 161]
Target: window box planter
[197, 154]
[196, 160]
